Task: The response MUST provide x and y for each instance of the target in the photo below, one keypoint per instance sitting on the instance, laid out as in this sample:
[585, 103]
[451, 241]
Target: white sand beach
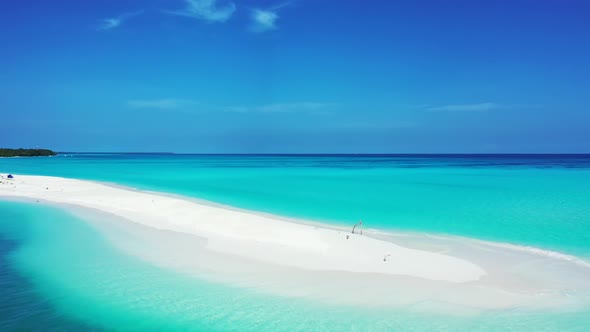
[251, 235]
[281, 256]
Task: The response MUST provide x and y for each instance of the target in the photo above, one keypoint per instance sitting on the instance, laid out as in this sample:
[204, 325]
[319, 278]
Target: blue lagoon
[72, 268]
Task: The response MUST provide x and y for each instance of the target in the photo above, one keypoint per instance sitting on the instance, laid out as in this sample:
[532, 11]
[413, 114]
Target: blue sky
[300, 76]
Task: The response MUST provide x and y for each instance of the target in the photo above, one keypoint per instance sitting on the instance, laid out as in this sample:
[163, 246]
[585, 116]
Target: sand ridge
[293, 258]
[250, 235]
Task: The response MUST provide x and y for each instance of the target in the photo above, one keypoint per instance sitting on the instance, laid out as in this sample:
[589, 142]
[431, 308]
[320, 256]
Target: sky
[296, 76]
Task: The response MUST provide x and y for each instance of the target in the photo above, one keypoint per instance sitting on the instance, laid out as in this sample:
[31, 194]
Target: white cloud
[293, 107]
[188, 105]
[265, 19]
[206, 10]
[383, 125]
[162, 104]
[114, 22]
[481, 107]
[109, 23]
[310, 107]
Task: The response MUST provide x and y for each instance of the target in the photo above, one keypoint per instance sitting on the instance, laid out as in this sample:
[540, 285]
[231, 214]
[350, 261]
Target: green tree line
[26, 152]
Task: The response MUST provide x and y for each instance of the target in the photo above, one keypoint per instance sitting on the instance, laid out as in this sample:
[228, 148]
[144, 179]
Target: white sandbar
[250, 235]
[275, 255]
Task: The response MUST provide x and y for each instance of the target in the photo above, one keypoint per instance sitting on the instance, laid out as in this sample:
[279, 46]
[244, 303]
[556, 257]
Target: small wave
[541, 252]
[521, 248]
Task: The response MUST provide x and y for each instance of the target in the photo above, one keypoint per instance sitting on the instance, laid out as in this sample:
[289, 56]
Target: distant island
[26, 153]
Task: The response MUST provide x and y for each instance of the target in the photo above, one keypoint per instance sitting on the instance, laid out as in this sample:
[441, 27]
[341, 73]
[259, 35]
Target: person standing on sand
[360, 223]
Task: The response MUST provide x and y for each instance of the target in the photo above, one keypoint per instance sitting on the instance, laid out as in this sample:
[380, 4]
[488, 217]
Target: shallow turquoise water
[63, 275]
[540, 201]
[75, 281]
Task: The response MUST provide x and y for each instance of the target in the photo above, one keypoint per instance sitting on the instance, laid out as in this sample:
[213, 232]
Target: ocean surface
[58, 273]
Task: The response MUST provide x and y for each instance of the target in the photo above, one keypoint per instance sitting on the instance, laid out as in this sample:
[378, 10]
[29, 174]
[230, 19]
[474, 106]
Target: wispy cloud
[188, 105]
[481, 107]
[383, 125]
[309, 107]
[207, 10]
[162, 104]
[109, 23]
[265, 19]
[114, 22]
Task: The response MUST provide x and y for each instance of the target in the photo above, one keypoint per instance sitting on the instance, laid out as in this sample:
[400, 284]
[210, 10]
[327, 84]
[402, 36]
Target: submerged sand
[283, 257]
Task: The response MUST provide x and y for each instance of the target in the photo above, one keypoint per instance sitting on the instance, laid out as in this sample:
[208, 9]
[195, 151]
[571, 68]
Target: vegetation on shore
[26, 152]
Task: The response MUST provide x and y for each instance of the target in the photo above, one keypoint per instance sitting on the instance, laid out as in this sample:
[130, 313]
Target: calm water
[532, 200]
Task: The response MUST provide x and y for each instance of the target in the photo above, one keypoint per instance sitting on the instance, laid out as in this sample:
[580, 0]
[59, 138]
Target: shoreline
[250, 235]
[376, 233]
[281, 255]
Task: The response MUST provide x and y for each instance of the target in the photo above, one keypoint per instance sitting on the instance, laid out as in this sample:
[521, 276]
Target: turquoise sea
[58, 273]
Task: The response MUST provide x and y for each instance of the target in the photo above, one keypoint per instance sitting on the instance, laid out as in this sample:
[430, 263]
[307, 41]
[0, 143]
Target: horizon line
[338, 153]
